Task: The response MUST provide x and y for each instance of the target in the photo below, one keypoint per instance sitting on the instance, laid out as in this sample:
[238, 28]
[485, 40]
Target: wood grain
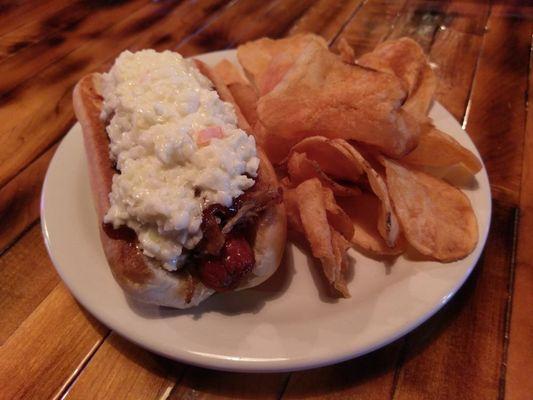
[63, 25]
[244, 21]
[371, 25]
[466, 341]
[458, 353]
[50, 47]
[26, 278]
[327, 18]
[518, 382]
[203, 384]
[121, 370]
[19, 13]
[420, 20]
[496, 117]
[481, 53]
[47, 350]
[370, 377]
[455, 52]
[20, 200]
[31, 125]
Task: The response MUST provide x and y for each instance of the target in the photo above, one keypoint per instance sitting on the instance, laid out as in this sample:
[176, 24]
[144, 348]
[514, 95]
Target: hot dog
[172, 232]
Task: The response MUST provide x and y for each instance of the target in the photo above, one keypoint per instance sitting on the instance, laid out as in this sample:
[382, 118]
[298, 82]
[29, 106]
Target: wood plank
[420, 21]
[370, 377]
[31, 124]
[298, 390]
[518, 382]
[244, 21]
[202, 384]
[455, 52]
[26, 278]
[458, 353]
[327, 18]
[16, 70]
[371, 25]
[19, 13]
[496, 117]
[48, 349]
[122, 370]
[475, 335]
[75, 24]
[20, 200]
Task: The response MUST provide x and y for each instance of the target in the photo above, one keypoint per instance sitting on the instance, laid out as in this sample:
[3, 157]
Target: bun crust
[139, 276]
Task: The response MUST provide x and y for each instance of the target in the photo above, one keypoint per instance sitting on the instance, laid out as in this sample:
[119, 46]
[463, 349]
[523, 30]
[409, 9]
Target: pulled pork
[225, 255]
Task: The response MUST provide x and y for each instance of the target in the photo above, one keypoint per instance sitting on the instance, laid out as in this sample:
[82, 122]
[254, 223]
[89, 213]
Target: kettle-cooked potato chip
[439, 150]
[330, 122]
[246, 99]
[257, 56]
[337, 217]
[437, 218]
[322, 95]
[387, 222]
[301, 168]
[406, 59]
[243, 93]
[290, 199]
[324, 243]
[228, 72]
[363, 211]
[335, 162]
[346, 52]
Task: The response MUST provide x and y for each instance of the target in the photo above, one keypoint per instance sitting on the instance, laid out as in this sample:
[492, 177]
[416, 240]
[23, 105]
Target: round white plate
[288, 323]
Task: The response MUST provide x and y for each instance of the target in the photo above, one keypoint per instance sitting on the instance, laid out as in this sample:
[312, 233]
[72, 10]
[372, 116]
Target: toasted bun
[139, 276]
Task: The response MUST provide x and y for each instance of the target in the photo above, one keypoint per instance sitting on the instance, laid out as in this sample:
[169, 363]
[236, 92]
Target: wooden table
[478, 347]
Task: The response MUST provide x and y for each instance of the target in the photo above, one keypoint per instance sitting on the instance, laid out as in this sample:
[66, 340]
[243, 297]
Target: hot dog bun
[139, 276]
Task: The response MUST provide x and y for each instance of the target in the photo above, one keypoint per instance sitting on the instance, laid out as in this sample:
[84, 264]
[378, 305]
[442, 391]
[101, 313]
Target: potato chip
[323, 95]
[406, 59]
[317, 230]
[332, 160]
[437, 218]
[242, 92]
[285, 183]
[441, 152]
[340, 251]
[346, 52]
[387, 222]
[276, 70]
[301, 168]
[229, 73]
[364, 211]
[256, 56]
[290, 199]
[338, 219]
[246, 98]
[276, 147]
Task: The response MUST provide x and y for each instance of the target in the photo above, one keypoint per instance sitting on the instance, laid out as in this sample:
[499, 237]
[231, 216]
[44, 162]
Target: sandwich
[187, 204]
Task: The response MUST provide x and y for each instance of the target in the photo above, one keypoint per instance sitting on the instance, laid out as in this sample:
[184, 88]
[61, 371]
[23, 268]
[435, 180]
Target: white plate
[285, 324]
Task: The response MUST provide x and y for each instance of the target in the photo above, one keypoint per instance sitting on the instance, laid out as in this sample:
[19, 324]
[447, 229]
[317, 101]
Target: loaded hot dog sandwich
[187, 203]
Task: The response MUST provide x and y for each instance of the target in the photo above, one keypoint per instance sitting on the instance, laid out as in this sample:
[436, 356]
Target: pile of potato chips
[360, 161]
